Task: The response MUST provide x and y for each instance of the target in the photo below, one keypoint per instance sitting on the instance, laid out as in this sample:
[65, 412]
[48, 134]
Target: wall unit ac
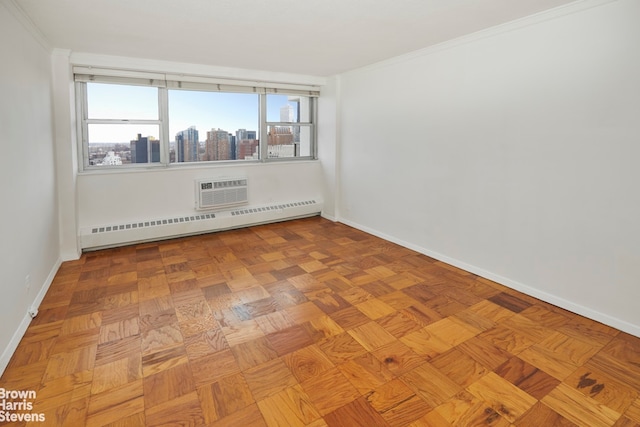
[221, 193]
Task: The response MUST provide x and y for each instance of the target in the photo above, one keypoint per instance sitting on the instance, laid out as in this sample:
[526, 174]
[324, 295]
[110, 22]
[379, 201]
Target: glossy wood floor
[311, 323]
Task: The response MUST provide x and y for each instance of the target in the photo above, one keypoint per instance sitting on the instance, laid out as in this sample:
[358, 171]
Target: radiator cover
[124, 233]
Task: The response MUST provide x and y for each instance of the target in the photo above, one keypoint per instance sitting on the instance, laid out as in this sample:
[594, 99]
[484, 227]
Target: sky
[204, 110]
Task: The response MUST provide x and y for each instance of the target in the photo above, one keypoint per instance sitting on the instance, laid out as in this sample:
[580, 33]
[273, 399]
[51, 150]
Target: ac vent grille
[220, 193]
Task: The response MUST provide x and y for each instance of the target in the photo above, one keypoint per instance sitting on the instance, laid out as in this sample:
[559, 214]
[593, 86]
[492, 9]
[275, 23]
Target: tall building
[187, 145]
[232, 146]
[281, 142]
[218, 145]
[145, 149]
[248, 149]
[245, 134]
[287, 114]
[291, 115]
[280, 135]
[241, 134]
[245, 144]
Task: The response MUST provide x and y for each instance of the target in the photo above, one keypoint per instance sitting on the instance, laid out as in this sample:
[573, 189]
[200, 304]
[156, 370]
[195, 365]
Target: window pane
[110, 101]
[303, 141]
[288, 108]
[211, 126]
[289, 141]
[121, 144]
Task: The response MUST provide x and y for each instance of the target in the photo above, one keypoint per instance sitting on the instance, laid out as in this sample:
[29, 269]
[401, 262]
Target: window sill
[193, 166]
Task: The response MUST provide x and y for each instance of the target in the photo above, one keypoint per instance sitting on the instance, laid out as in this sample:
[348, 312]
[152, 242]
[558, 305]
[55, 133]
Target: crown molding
[23, 18]
[517, 24]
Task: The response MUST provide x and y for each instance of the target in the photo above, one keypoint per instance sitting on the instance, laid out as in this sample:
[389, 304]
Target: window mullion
[163, 114]
[121, 122]
[289, 124]
[314, 128]
[264, 140]
[81, 126]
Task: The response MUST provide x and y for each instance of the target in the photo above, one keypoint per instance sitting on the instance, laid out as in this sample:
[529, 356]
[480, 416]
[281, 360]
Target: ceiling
[313, 37]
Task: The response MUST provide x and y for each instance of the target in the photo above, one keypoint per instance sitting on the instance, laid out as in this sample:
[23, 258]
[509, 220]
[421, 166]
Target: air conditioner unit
[221, 192]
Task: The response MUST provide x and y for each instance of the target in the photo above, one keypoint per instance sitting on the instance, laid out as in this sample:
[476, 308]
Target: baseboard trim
[515, 285]
[26, 320]
[329, 217]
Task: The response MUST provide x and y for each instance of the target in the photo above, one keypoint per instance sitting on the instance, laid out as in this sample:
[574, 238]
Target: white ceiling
[314, 37]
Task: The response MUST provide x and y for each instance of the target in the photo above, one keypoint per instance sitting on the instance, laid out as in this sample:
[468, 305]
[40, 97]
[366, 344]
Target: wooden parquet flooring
[311, 323]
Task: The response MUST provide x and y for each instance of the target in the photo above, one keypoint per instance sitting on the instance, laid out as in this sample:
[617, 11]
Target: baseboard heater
[105, 236]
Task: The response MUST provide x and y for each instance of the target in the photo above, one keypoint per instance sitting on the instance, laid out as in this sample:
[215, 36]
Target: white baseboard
[26, 320]
[329, 217]
[515, 285]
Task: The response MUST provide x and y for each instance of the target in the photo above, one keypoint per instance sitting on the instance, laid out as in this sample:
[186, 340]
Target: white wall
[328, 143]
[66, 152]
[29, 219]
[113, 198]
[107, 198]
[512, 153]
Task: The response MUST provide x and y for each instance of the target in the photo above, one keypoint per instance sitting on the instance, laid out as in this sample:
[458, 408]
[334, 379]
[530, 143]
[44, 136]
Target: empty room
[336, 213]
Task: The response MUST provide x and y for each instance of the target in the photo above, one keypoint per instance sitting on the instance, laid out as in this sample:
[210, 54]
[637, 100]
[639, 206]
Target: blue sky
[207, 110]
[204, 110]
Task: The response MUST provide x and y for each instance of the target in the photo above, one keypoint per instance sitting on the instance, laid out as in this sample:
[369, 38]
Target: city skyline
[228, 111]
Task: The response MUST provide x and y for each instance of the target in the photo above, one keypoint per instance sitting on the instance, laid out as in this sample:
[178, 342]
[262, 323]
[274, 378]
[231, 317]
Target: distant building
[232, 147]
[281, 151]
[111, 159]
[187, 145]
[241, 134]
[248, 149]
[218, 145]
[287, 114]
[245, 144]
[145, 150]
[280, 135]
[290, 114]
[245, 134]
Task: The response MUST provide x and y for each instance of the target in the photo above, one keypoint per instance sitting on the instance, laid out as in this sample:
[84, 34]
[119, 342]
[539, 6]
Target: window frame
[310, 124]
[166, 82]
[83, 129]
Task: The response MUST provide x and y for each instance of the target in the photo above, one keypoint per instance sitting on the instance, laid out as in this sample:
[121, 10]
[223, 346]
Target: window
[127, 121]
[121, 125]
[289, 126]
[213, 126]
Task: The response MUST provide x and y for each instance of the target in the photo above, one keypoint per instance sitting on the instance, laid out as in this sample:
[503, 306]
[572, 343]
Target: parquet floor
[311, 323]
